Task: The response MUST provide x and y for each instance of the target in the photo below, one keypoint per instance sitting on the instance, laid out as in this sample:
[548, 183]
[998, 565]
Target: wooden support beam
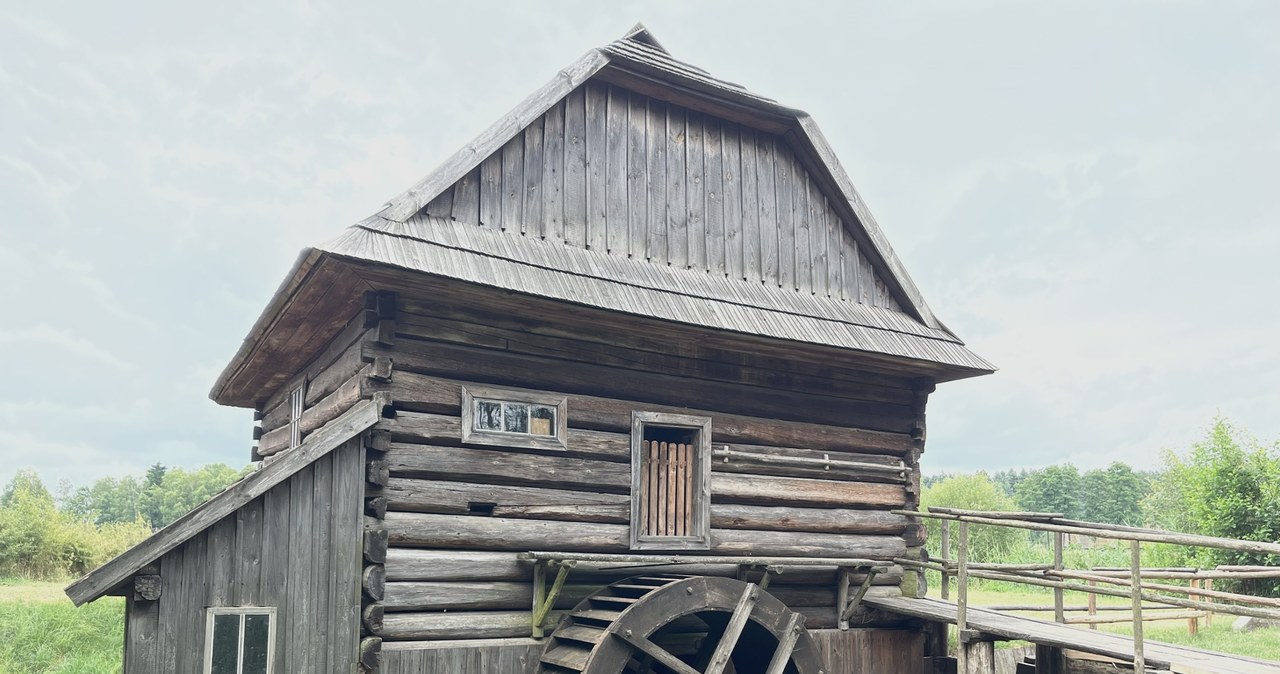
[1058, 542]
[540, 610]
[847, 611]
[656, 652]
[1135, 560]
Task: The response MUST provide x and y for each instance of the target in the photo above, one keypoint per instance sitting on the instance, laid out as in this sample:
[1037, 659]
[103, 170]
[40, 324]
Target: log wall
[295, 548]
[449, 570]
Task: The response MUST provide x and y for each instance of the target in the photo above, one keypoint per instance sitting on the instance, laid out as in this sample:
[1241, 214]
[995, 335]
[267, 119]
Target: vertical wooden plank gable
[615, 171]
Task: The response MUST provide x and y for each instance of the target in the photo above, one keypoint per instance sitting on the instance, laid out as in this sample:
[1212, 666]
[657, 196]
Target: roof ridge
[641, 33]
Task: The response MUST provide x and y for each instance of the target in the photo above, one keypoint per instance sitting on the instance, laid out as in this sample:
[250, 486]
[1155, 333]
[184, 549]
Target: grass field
[42, 633]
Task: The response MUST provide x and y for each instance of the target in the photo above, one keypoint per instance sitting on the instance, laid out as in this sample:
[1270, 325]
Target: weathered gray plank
[301, 603]
[171, 605]
[248, 554]
[321, 552]
[491, 191]
[466, 198]
[276, 534]
[575, 169]
[191, 619]
[142, 636]
[695, 191]
[785, 189]
[656, 171]
[220, 561]
[596, 104]
[750, 230]
[767, 191]
[531, 198]
[637, 178]
[713, 157]
[617, 203]
[733, 222]
[553, 173]
[345, 539]
[677, 189]
[512, 215]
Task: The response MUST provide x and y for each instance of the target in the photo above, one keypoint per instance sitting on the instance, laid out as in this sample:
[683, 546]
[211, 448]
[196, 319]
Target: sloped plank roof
[547, 269]
[107, 577]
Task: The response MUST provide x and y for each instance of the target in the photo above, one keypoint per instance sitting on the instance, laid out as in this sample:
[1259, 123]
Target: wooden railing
[1196, 600]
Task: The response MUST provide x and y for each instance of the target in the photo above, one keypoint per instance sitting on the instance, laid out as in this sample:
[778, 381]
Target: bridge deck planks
[1006, 626]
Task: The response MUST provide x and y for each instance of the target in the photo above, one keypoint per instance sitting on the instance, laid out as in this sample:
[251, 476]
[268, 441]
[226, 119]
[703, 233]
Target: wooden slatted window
[296, 404]
[670, 486]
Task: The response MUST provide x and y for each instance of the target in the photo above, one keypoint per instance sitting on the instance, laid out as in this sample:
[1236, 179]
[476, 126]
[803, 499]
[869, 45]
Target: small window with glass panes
[513, 417]
[239, 640]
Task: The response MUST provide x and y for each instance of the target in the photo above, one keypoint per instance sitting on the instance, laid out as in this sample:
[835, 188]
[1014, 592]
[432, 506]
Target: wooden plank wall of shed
[614, 171]
[296, 548]
[452, 574]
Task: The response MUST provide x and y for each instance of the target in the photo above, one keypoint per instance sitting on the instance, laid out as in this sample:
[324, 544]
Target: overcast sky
[1086, 192]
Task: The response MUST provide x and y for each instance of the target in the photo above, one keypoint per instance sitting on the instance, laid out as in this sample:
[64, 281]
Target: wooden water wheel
[666, 624]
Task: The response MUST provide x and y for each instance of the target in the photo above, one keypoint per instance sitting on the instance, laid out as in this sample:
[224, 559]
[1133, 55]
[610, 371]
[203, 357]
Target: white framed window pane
[542, 420]
[257, 633]
[226, 642]
[488, 416]
[515, 417]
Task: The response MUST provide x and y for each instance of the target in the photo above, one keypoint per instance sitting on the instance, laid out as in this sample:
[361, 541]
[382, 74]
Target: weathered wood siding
[452, 573]
[614, 171]
[296, 547]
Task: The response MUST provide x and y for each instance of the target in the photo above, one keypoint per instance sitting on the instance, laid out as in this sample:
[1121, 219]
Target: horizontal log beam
[417, 392]
[551, 471]
[496, 533]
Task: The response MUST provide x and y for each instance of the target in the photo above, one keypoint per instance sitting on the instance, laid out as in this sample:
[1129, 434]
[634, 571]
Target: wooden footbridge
[979, 628]
[987, 626]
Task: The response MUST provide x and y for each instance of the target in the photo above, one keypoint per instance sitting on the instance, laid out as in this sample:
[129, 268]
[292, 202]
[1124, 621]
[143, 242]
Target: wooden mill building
[630, 383]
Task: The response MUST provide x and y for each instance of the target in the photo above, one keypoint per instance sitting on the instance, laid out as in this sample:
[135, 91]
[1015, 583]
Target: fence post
[1208, 617]
[1058, 613]
[945, 544]
[1193, 623]
[1093, 605]
[1135, 564]
[962, 598]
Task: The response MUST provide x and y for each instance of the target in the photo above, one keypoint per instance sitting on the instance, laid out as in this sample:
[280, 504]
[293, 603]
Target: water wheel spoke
[657, 653]
[733, 630]
[786, 644]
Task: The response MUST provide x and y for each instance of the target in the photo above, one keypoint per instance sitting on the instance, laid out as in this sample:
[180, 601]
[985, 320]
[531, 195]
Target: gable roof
[111, 575]
[866, 302]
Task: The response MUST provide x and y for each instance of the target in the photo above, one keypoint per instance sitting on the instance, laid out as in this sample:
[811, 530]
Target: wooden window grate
[296, 404]
[670, 481]
[666, 491]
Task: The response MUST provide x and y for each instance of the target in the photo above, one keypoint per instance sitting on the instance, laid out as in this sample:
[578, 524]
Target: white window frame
[700, 539]
[297, 405]
[474, 436]
[241, 611]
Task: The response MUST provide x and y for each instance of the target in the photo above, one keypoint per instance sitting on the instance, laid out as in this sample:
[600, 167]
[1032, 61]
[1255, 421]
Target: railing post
[1135, 563]
[945, 544]
[1058, 613]
[1193, 623]
[1208, 618]
[962, 598]
[1093, 605]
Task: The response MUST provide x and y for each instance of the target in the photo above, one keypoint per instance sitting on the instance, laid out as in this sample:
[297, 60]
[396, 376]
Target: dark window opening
[482, 509]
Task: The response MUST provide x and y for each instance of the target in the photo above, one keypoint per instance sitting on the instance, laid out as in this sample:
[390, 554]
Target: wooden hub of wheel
[666, 624]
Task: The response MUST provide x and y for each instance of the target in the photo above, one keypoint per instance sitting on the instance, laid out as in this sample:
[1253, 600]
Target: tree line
[48, 536]
[1225, 484]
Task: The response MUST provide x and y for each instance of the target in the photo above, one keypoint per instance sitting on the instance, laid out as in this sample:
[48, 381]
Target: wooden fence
[1148, 600]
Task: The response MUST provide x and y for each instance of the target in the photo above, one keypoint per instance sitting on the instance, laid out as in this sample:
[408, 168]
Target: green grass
[42, 633]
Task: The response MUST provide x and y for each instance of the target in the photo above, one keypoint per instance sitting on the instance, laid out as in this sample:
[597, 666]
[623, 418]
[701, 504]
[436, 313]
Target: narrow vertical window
[239, 640]
[295, 416]
[670, 481]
